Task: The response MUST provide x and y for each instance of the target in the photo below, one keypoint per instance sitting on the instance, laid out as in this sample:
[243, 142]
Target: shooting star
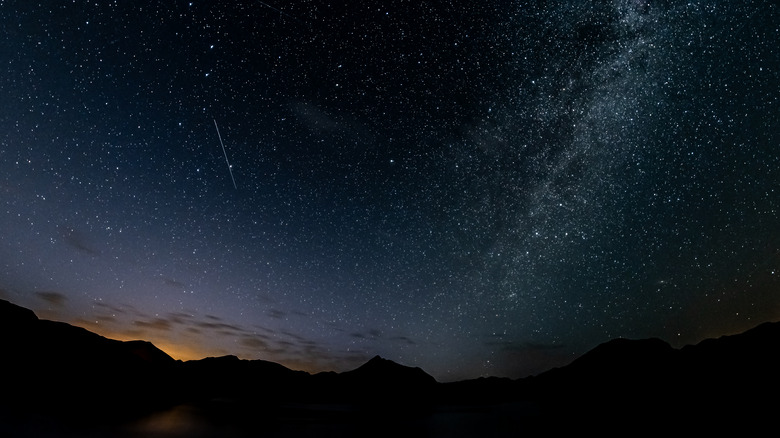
[230, 168]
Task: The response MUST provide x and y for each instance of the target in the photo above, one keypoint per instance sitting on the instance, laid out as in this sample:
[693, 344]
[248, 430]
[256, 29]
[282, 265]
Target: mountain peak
[379, 360]
[386, 370]
[379, 363]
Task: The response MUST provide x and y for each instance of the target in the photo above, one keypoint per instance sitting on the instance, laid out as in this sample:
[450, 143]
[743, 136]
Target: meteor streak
[230, 168]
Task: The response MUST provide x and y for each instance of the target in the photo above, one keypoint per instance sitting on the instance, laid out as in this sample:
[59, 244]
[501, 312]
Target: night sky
[472, 187]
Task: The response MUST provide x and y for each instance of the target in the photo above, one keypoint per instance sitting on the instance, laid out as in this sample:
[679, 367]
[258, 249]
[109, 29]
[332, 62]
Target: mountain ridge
[66, 370]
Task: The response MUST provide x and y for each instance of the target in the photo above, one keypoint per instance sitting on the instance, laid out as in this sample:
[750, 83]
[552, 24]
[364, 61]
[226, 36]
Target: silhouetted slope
[618, 365]
[716, 382]
[619, 381]
[63, 368]
[229, 377]
[752, 353]
[15, 317]
[737, 375]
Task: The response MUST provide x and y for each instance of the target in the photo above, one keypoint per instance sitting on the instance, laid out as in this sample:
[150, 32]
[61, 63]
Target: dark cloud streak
[56, 299]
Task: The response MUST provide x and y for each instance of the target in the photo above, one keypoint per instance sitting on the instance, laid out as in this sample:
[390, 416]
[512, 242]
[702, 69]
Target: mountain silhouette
[72, 375]
[61, 368]
[715, 383]
[388, 373]
[386, 382]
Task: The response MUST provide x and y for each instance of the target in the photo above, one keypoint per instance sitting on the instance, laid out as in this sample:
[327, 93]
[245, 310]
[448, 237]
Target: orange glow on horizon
[184, 346]
[177, 350]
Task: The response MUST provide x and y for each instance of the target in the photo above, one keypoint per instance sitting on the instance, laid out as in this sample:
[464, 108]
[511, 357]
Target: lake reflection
[233, 421]
[181, 421]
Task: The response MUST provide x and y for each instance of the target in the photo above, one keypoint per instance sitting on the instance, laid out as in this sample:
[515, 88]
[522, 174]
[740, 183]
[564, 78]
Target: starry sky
[472, 187]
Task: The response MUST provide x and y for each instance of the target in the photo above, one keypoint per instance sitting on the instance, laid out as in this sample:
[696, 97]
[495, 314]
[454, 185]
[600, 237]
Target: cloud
[155, 323]
[253, 342]
[275, 313]
[351, 130]
[313, 117]
[293, 335]
[371, 334]
[105, 319]
[54, 298]
[208, 335]
[112, 308]
[77, 240]
[220, 326]
[180, 317]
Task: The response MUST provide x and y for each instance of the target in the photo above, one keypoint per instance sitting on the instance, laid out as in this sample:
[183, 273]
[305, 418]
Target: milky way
[475, 188]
